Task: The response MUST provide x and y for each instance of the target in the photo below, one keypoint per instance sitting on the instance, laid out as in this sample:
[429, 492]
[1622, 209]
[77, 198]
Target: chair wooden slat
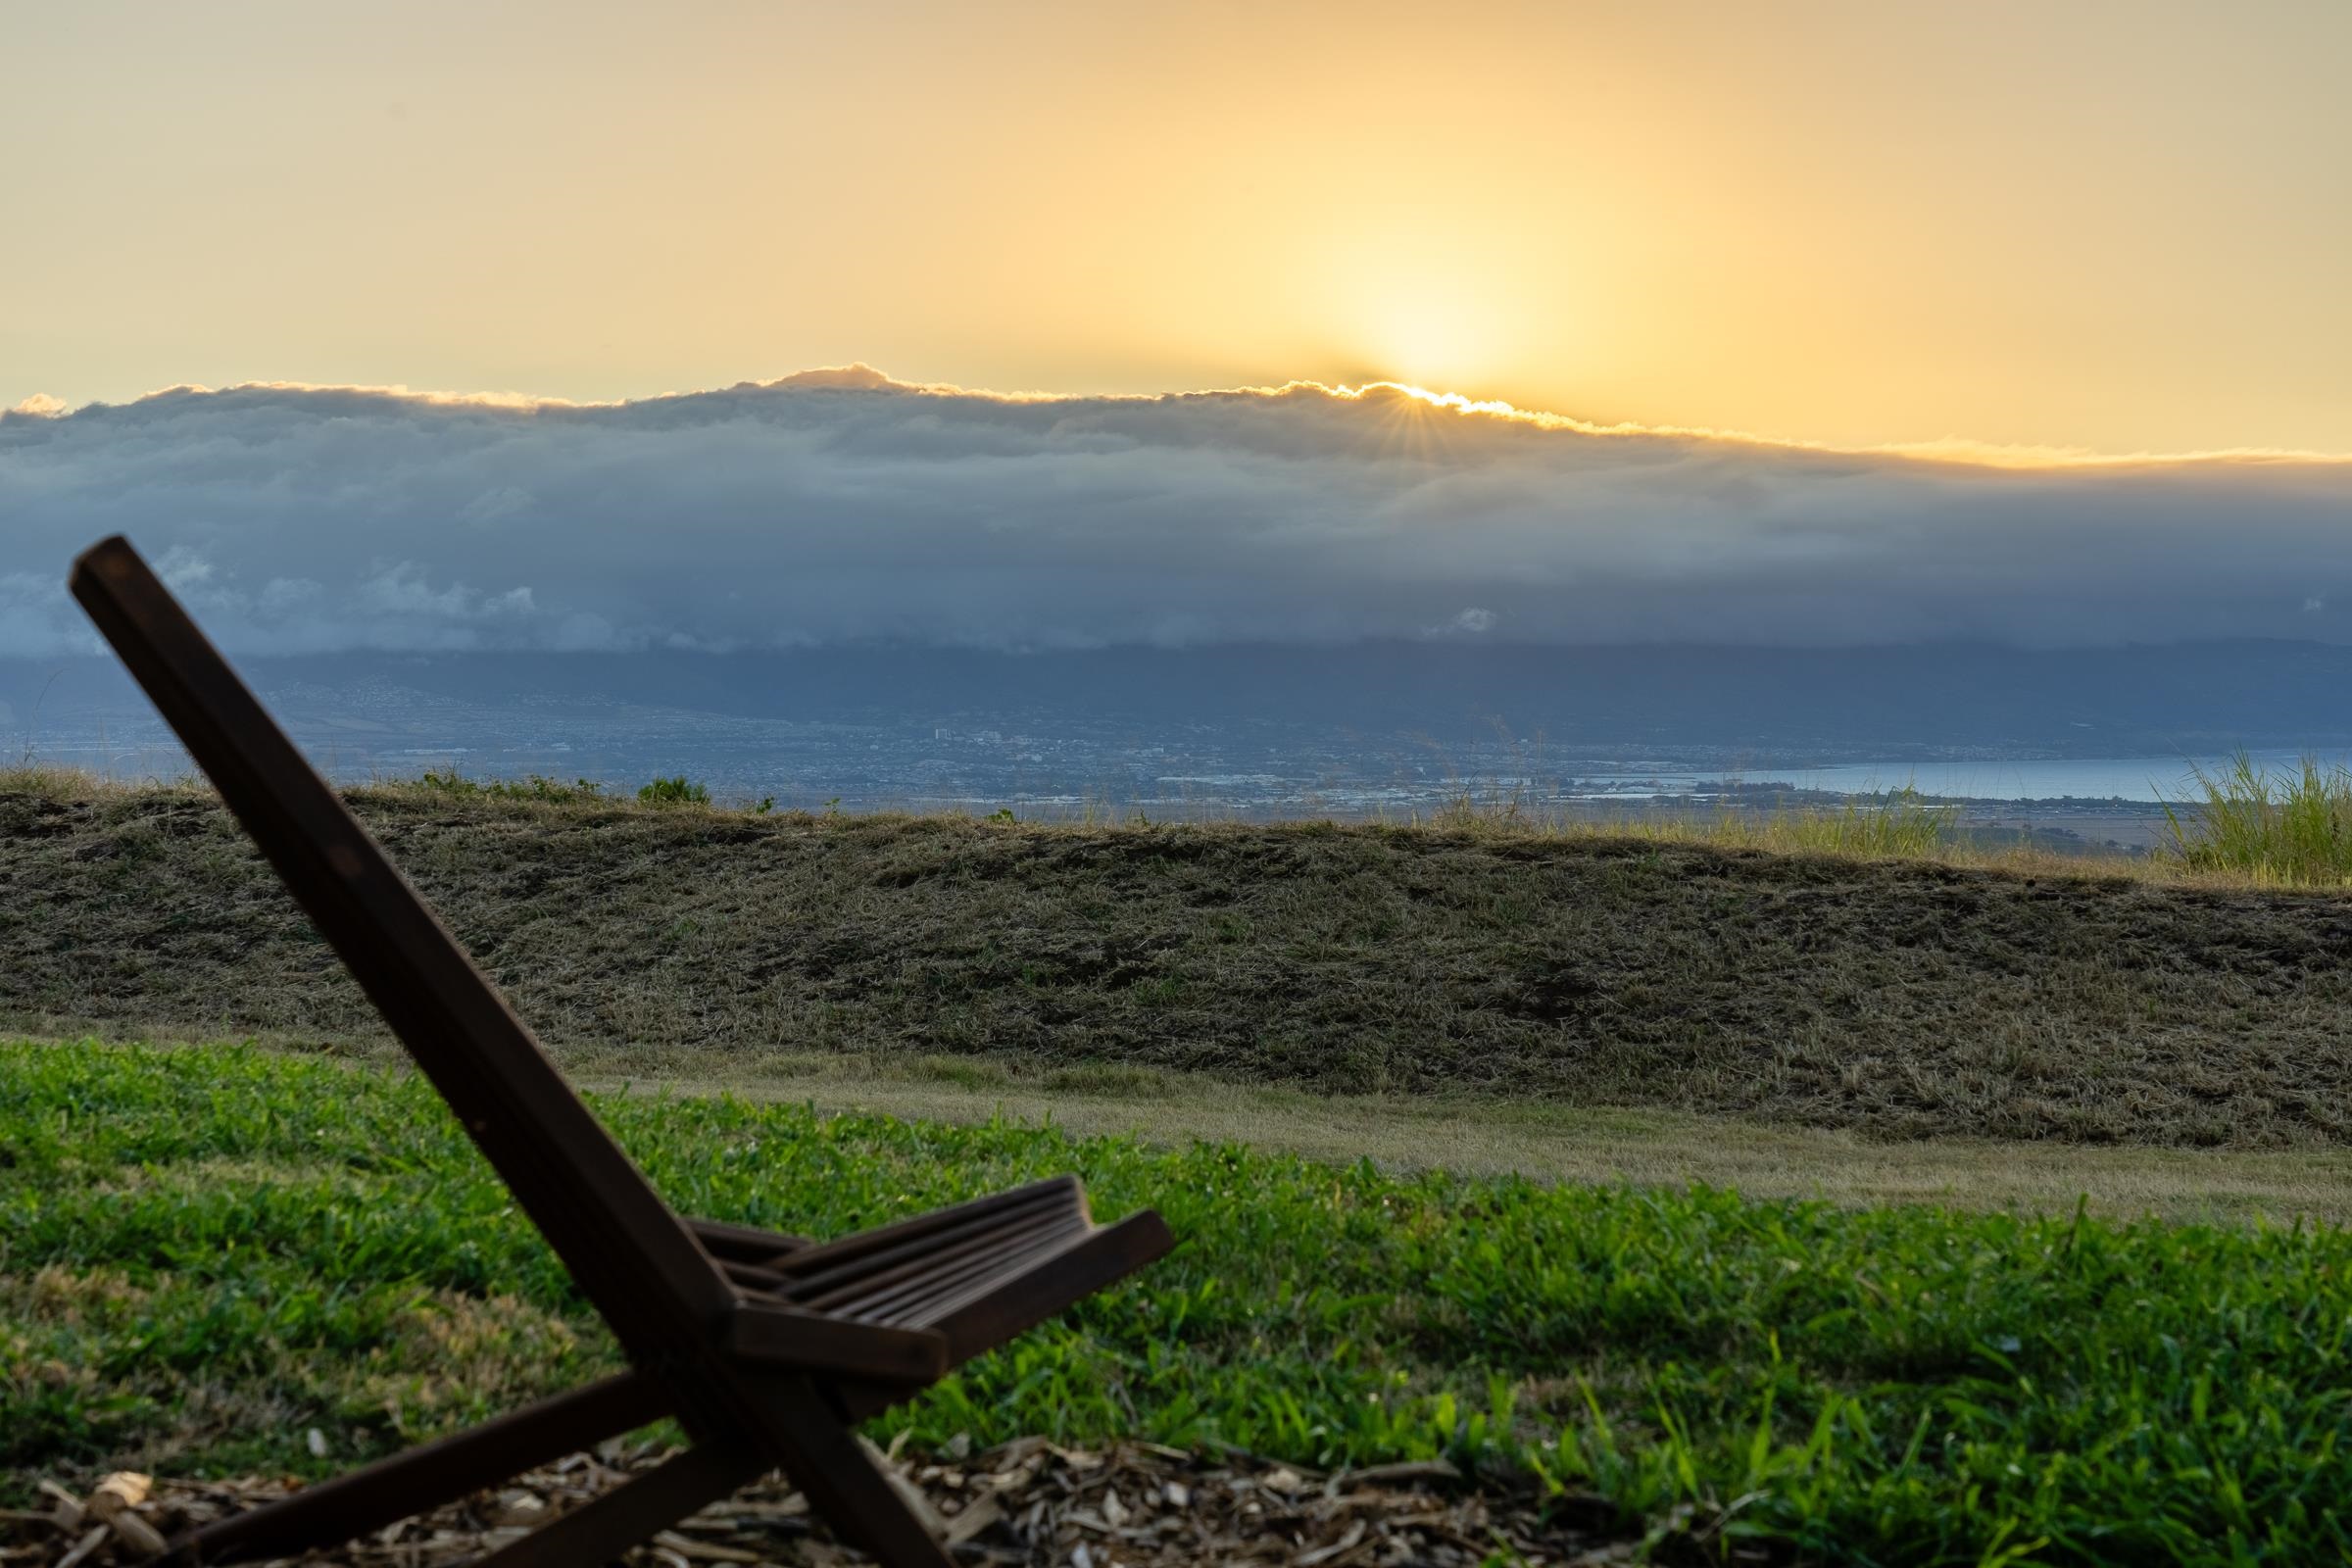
[986, 1318]
[755, 1279]
[881, 1267]
[867, 1296]
[907, 1302]
[981, 1257]
[745, 1244]
[827, 1254]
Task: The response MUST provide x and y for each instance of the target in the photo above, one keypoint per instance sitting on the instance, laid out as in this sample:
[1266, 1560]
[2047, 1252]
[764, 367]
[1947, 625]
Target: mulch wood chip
[1028, 1502]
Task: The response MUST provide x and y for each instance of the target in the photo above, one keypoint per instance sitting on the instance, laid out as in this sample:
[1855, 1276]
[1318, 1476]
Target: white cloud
[1471, 622]
[840, 505]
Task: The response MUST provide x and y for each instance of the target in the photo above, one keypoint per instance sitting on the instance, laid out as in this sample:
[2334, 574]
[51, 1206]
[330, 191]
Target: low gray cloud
[839, 506]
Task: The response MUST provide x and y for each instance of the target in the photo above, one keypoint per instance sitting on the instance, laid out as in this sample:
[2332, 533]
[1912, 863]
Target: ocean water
[2144, 779]
[860, 773]
[2129, 778]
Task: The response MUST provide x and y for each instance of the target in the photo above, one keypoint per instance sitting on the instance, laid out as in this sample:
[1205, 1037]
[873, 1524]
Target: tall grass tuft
[2291, 828]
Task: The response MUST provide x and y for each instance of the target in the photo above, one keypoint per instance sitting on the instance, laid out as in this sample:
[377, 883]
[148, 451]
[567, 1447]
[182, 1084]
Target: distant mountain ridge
[1922, 701]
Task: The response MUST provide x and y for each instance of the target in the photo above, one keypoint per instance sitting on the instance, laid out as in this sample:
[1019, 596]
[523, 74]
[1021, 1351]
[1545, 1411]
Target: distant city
[1277, 732]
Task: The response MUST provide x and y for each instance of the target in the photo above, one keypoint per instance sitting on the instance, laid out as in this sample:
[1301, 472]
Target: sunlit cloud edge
[860, 377]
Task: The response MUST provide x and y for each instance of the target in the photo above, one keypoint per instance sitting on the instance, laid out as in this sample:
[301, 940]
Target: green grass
[2291, 829]
[677, 791]
[210, 1251]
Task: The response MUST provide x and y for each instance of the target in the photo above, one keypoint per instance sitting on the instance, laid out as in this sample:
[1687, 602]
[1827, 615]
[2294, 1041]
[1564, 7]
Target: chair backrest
[632, 1256]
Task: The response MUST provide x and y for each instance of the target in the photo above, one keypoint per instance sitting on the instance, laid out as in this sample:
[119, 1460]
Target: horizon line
[862, 378]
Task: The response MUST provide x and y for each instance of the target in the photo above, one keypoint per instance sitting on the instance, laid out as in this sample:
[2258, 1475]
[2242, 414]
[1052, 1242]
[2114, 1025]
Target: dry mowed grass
[1902, 998]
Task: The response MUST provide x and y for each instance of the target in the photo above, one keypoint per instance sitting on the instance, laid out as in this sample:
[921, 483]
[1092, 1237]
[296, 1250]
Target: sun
[1432, 340]
[1435, 328]
[1417, 303]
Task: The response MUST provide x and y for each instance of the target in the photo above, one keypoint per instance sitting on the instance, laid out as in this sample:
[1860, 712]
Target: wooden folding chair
[766, 1348]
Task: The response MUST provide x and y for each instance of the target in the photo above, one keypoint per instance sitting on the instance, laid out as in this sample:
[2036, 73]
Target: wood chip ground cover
[213, 1253]
[1903, 998]
[1132, 1505]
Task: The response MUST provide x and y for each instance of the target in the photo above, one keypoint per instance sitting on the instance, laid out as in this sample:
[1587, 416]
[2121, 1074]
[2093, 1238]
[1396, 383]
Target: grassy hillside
[214, 1252]
[1897, 997]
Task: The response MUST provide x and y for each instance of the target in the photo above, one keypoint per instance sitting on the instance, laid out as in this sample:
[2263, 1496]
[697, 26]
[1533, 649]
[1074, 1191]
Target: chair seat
[904, 1273]
[900, 1305]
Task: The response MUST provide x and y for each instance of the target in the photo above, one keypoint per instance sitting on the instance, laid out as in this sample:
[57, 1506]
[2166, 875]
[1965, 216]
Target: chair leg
[842, 1484]
[820, 1455]
[611, 1522]
[348, 1505]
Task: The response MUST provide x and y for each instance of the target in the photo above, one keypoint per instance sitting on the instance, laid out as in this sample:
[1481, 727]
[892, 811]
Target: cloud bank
[839, 506]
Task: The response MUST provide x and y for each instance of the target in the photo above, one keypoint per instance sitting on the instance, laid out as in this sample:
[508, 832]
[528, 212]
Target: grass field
[1447, 1115]
[1895, 999]
[212, 1252]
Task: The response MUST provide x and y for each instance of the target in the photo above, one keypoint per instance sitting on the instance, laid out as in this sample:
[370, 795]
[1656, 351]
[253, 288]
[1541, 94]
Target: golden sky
[2122, 228]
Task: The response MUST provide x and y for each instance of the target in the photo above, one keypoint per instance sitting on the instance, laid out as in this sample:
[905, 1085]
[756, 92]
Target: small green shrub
[679, 791]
